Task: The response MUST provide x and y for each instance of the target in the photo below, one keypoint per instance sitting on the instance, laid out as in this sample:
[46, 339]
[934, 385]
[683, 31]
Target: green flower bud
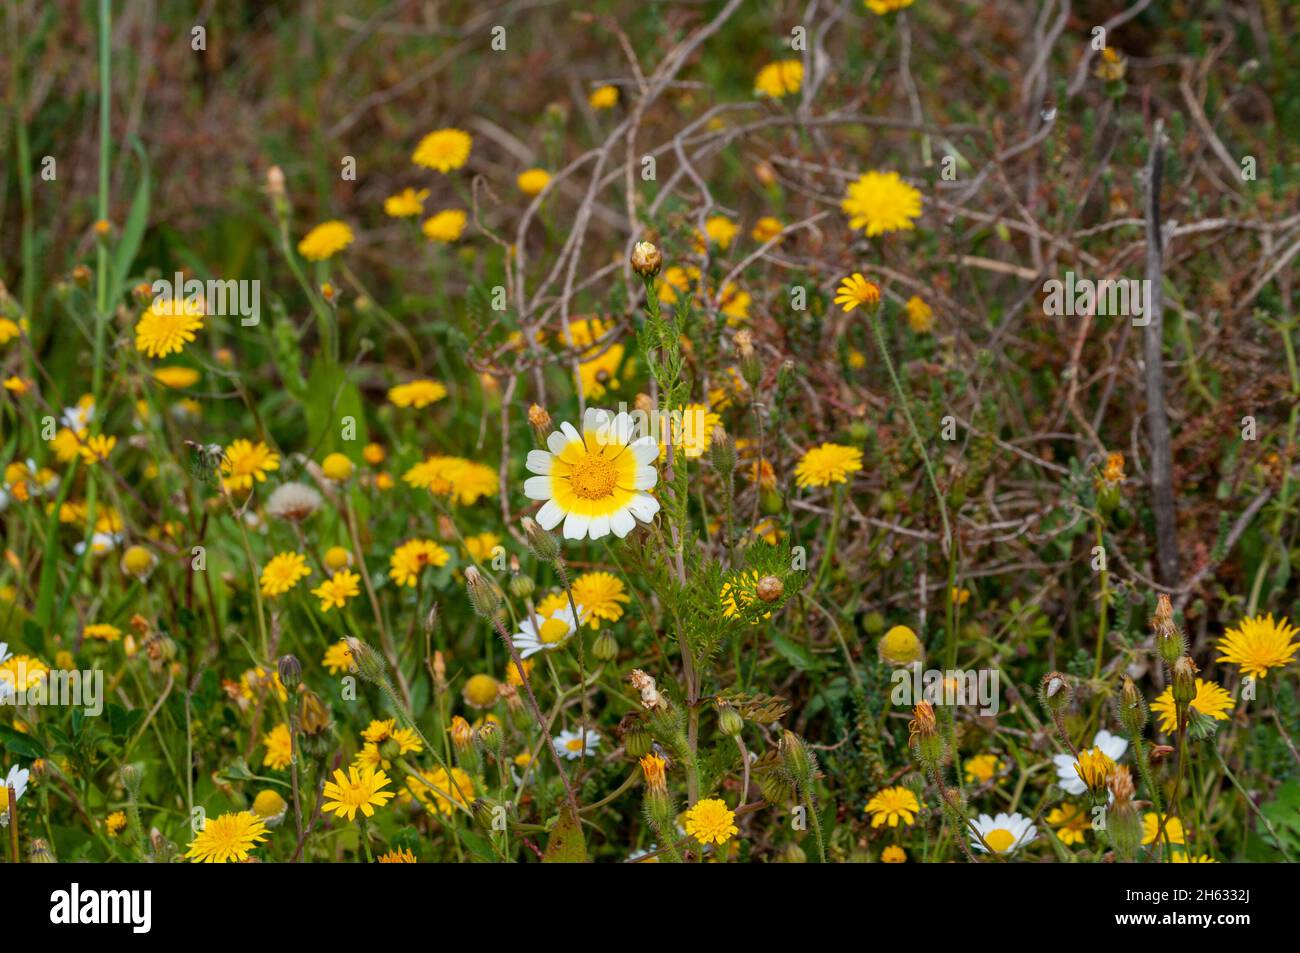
[730, 721]
[483, 597]
[541, 544]
[605, 648]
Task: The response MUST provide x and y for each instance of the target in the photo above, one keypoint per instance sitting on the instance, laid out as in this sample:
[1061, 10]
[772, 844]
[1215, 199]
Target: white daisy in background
[1067, 779]
[574, 744]
[16, 779]
[78, 418]
[99, 543]
[595, 481]
[544, 633]
[1003, 833]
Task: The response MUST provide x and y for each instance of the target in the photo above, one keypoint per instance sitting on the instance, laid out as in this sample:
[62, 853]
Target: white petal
[575, 526]
[538, 488]
[622, 523]
[599, 527]
[646, 449]
[570, 431]
[557, 441]
[539, 461]
[644, 507]
[646, 477]
[549, 515]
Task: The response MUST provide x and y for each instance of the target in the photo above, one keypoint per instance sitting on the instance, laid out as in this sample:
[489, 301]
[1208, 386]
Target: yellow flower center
[573, 744]
[999, 839]
[593, 477]
[553, 630]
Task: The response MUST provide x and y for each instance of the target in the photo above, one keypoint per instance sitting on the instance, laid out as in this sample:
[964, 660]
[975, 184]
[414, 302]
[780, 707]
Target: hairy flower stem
[1144, 771]
[537, 714]
[806, 795]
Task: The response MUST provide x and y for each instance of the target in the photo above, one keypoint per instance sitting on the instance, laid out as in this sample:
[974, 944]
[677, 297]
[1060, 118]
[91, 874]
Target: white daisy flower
[1067, 779]
[99, 543]
[595, 481]
[538, 633]
[17, 779]
[573, 744]
[78, 418]
[1003, 833]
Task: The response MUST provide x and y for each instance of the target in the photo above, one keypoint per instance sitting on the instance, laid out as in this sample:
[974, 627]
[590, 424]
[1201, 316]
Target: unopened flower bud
[522, 587]
[900, 646]
[541, 543]
[1132, 707]
[482, 594]
[605, 648]
[730, 720]
[799, 762]
[1055, 692]
[290, 671]
[723, 453]
[646, 260]
[369, 664]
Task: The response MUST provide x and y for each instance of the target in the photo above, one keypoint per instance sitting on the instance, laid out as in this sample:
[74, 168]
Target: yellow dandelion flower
[97, 448]
[325, 240]
[338, 658]
[439, 792]
[102, 631]
[982, 768]
[8, 331]
[279, 747]
[710, 821]
[406, 203]
[893, 854]
[445, 226]
[401, 856]
[827, 464]
[857, 290]
[335, 591]
[418, 393]
[1257, 644]
[766, 229]
[245, 462]
[603, 97]
[481, 546]
[778, 79]
[1094, 769]
[1151, 829]
[692, 430]
[1211, 700]
[1070, 822]
[167, 326]
[920, 317]
[720, 230]
[532, 181]
[738, 594]
[601, 595]
[361, 789]
[886, 6]
[892, 805]
[229, 837]
[115, 823]
[1178, 857]
[443, 150]
[411, 557]
[880, 202]
[176, 376]
[283, 572]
